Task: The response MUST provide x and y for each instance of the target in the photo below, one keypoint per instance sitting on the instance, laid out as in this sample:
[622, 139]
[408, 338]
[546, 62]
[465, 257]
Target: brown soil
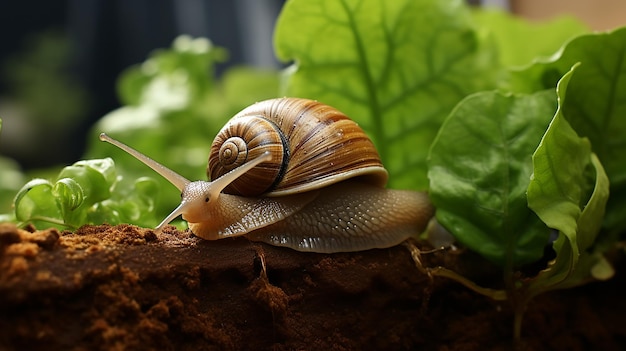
[125, 288]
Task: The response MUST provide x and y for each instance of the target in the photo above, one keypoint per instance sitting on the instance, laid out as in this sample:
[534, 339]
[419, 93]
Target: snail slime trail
[282, 174]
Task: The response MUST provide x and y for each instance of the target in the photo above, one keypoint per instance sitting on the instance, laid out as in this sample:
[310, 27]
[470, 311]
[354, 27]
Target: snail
[296, 173]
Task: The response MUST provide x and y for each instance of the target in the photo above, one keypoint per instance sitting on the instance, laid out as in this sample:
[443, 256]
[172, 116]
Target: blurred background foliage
[173, 109]
[60, 63]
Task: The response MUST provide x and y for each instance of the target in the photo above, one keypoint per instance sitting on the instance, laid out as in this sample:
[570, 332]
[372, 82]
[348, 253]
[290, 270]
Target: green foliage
[569, 187]
[174, 108]
[396, 67]
[466, 185]
[37, 79]
[568, 191]
[479, 170]
[83, 193]
[595, 106]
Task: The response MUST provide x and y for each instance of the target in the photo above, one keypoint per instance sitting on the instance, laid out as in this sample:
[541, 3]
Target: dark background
[80, 47]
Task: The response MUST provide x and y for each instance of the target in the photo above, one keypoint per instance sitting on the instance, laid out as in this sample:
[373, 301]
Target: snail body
[295, 173]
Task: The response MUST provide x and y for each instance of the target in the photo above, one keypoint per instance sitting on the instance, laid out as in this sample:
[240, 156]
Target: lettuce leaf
[479, 170]
[595, 106]
[568, 191]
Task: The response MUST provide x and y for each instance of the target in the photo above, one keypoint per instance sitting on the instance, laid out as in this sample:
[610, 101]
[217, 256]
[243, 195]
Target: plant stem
[498, 295]
[518, 317]
[518, 298]
[50, 220]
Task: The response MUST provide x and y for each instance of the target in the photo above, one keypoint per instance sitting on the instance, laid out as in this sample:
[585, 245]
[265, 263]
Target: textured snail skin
[348, 216]
[351, 216]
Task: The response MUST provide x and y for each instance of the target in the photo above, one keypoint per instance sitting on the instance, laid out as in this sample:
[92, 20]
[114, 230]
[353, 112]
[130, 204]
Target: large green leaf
[396, 67]
[479, 170]
[557, 189]
[568, 191]
[595, 106]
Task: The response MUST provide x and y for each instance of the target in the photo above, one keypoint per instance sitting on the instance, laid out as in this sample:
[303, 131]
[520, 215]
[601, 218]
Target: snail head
[196, 195]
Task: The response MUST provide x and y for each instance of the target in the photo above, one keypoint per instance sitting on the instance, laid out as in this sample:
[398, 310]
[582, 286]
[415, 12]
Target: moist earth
[125, 288]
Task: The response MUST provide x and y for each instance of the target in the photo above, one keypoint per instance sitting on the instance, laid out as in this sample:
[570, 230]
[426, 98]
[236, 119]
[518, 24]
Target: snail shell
[312, 146]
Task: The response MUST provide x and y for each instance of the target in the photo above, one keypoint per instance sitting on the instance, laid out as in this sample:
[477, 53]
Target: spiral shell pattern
[312, 145]
[244, 139]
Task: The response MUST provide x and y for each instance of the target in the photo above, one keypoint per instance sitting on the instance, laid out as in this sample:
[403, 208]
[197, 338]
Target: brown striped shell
[312, 145]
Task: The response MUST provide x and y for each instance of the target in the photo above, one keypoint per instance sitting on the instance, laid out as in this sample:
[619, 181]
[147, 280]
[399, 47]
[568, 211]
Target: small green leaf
[35, 202]
[105, 166]
[82, 196]
[479, 170]
[396, 67]
[96, 178]
[69, 196]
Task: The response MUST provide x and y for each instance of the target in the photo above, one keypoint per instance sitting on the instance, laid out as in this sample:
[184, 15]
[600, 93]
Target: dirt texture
[125, 288]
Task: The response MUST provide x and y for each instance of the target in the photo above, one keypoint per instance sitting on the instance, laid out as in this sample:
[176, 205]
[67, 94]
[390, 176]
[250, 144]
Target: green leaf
[568, 269]
[135, 205]
[69, 196]
[396, 67]
[82, 195]
[595, 106]
[95, 176]
[559, 194]
[558, 184]
[479, 170]
[35, 202]
[521, 41]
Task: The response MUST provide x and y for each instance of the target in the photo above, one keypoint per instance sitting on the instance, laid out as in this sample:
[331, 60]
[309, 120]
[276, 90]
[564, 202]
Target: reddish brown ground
[124, 288]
